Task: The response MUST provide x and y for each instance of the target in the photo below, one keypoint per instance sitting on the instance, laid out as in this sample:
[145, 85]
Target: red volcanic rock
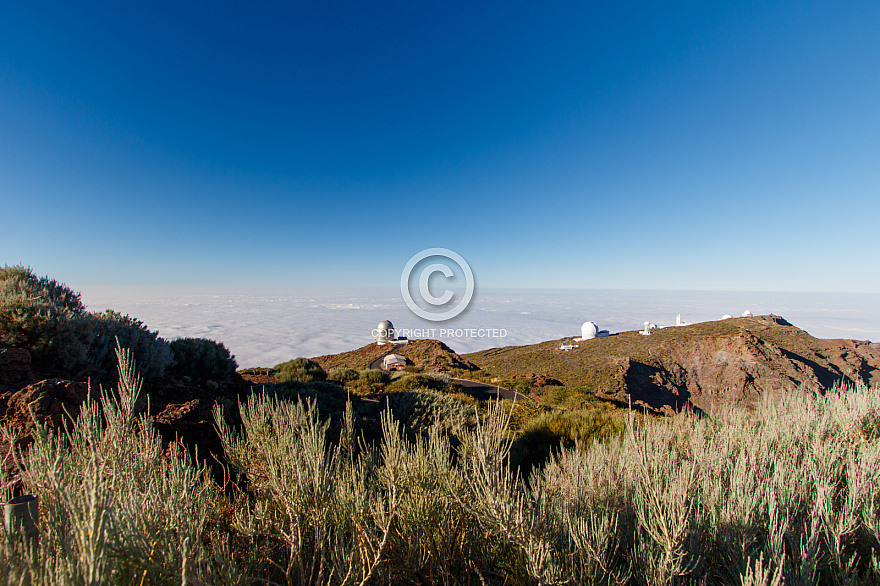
[191, 420]
[50, 401]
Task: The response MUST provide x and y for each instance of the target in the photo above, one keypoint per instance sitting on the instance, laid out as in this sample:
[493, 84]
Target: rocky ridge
[430, 355]
[705, 366]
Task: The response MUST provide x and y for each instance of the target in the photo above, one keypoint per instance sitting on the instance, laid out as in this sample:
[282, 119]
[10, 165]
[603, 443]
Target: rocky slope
[706, 365]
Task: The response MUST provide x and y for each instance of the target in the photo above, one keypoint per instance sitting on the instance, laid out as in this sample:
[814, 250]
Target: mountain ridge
[704, 366]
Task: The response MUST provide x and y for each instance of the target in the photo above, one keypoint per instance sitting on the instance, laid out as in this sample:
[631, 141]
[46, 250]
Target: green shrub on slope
[412, 382]
[374, 376]
[423, 409]
[44, 316]
[557, 430]
[203, 359]
[343, 374]
[301, 370]
[152, 353]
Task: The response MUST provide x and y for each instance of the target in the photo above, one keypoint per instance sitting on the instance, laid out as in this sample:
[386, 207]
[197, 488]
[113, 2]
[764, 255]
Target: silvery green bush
[115, 508]
[787, 493]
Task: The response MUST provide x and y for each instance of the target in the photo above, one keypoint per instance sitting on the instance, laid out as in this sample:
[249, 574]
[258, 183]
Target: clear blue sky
[703, 145]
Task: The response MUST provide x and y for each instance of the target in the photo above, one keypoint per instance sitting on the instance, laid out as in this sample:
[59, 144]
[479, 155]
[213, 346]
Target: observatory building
[589, 331]
[385, 334]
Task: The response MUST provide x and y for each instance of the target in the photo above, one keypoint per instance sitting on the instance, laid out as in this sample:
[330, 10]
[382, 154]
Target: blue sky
[703, 145]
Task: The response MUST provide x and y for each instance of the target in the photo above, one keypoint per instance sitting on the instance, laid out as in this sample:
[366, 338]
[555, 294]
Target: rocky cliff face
[705, 366]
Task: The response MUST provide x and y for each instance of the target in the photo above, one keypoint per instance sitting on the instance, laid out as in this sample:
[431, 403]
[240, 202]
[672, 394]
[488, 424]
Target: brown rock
[50, 401]
[191, 423]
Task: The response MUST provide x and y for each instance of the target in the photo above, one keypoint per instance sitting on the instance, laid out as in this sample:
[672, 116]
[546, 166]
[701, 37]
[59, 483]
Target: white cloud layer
[263, 327]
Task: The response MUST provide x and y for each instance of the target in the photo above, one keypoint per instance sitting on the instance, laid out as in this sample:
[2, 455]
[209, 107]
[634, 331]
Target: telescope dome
[384, 331]
[589, 330]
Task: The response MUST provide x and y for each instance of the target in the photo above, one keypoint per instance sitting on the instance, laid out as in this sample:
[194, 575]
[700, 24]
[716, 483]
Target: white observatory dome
[747, 313]
[589, 331]
[384, 332]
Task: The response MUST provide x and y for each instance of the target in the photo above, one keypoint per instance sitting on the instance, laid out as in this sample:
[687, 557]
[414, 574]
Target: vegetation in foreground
[50, 320]
[788, 493]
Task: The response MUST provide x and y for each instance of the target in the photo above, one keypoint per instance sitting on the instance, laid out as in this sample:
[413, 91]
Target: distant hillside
[430, 355]
[705, 365]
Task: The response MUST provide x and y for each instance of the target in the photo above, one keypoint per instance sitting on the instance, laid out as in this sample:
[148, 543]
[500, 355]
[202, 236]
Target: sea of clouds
[263, 327]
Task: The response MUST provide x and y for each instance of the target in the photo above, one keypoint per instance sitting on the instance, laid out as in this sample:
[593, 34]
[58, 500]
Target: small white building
[393, 362]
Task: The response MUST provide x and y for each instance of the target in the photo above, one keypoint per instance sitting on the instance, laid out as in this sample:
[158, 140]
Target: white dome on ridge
[589, 330]
[384, 331]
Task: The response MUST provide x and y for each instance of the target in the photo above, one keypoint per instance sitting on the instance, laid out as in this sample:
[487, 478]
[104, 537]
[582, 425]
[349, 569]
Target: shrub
[374, 376]
[202, 359]
[116, 507]
[301, 370]
[329, 398]
[343, 374]
[557, 396]
[257, 371]
[58, 294]
[44, 316]
[421, 410]
[152, 353]
[555, 430]
[365, 388]
[785, 494]
[412, 382]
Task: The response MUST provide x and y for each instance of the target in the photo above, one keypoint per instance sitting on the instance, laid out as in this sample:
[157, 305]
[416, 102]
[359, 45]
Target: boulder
[191, 421]
[50, 401]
